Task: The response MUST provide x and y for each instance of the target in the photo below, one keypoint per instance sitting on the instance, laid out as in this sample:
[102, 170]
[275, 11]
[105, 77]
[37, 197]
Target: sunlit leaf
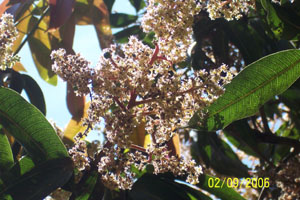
[250, 89]
[75, 126]
[29, 127]
[19, 67]
[40, 46]
[139, 136]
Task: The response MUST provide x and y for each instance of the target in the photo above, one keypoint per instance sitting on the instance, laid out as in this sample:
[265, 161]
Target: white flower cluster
[8, 34]
[133, 83]
[72, 68]
[171, 21]
[228, 9]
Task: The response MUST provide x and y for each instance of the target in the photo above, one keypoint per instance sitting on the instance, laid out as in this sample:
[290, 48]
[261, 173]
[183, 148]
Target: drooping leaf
[250, 89]
[118, 20]
[34, 93]
[220, 190]
[6, 157]
[138, 4]
[29, 127]
[40, 46]
[60, 11]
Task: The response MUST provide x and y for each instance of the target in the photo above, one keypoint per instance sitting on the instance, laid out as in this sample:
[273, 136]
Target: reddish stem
[139, 148]
[132, 101]
[154, 56]
[114, 64]
[119, 103]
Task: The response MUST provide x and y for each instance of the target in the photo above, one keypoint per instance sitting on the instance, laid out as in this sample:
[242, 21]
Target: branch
[32, 31]
[265, 121]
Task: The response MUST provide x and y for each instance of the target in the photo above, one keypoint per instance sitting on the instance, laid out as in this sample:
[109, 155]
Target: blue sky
[85, 43]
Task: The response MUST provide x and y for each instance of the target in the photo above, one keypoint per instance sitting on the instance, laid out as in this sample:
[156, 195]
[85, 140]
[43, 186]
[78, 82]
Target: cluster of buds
[134, 84]
[8, 34]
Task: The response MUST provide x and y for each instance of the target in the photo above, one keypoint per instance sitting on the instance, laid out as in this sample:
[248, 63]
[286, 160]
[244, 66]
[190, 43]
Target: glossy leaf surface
[28, 125]
[250, 89]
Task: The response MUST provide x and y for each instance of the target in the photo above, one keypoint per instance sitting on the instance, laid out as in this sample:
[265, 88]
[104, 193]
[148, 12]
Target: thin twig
[267, 129]
[32, 31]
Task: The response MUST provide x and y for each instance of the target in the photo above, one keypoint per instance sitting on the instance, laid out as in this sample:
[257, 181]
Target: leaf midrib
[257, 88]
[20, 129]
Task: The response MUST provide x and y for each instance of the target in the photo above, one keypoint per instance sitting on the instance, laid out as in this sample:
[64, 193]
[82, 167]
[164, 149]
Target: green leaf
[218, 188]
[138, 4]
[29, 127]
[38, 182]
[250, 89]
[219, 155]
[6, 156]
[118, 20]
[34, 93]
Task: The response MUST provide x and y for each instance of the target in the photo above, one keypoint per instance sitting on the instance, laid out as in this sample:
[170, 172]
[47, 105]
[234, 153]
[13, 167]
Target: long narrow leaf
[251, 88]
[6, 156]
[28, 125]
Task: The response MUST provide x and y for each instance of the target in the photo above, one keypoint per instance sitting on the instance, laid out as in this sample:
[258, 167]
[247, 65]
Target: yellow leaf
[139, 137]
[74, 126]
[40, 46]
[19, 67]
[23, 27]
